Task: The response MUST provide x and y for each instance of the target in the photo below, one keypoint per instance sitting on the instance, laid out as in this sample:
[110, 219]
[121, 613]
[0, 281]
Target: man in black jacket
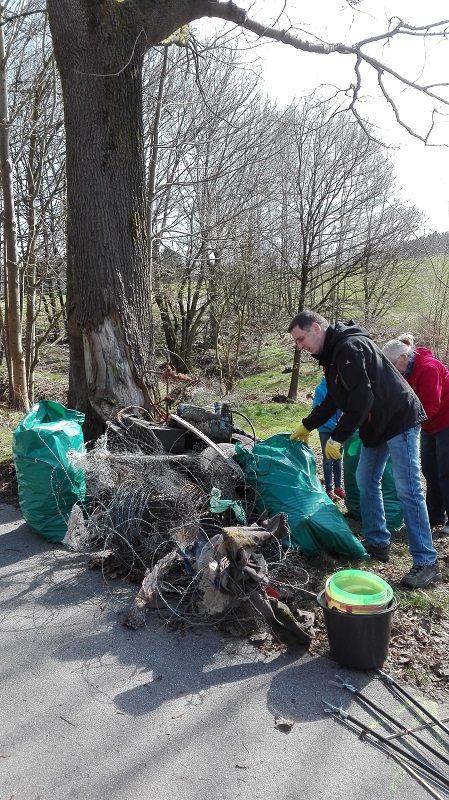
[376, 399]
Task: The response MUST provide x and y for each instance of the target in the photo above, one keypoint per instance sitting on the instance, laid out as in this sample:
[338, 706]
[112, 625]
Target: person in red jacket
[429, 379]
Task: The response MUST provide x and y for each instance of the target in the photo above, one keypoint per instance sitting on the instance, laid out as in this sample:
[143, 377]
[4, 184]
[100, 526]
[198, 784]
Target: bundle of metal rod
[391, 683]
[392, 720]
[403, 755]
[413, 772]
[422, 727]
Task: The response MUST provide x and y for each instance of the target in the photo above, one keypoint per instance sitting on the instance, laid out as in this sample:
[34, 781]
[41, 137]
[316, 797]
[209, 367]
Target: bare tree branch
[231, 12]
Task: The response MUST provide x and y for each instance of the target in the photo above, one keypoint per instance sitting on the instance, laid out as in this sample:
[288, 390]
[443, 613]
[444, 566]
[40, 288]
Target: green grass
[434, 601]
[8, 421]
[270, 377]
[270, 382]
[53, 376]
[271, 418]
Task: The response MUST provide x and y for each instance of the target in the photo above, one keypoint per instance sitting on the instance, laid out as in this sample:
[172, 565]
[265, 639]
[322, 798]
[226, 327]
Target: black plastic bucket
[358, 641]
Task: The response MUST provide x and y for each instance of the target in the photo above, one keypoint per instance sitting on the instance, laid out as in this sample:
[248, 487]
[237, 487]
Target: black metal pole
[397, 724]
[391, 682]
[367, 732]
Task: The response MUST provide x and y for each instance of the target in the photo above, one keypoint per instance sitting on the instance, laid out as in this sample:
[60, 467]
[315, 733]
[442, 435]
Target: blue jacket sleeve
[320, 392]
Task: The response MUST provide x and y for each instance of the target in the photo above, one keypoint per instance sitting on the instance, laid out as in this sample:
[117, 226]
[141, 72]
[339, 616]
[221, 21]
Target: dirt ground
[419, 645]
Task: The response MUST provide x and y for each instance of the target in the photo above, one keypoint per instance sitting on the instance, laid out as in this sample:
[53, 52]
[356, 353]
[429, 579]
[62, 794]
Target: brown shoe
[340, 492]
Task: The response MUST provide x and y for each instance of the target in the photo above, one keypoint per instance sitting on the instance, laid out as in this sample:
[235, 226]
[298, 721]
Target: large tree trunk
[99, 54]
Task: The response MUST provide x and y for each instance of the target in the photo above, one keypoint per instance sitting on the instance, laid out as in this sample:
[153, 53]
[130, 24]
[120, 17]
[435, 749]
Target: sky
[422, 171]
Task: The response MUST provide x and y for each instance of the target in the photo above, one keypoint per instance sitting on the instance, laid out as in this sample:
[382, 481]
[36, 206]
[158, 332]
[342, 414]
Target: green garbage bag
[49, 485]
[283, 473]
[393, 509]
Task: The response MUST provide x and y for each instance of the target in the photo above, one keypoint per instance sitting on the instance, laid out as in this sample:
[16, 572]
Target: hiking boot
[420, 577]
[376, 551]
[330, 493]
[340, 492]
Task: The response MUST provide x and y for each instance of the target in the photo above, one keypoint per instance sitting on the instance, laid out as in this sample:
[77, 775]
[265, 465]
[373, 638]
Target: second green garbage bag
[393, 510]
[283, 472]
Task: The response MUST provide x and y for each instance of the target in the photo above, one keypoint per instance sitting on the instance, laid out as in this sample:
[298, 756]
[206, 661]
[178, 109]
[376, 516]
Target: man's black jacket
[362, 382]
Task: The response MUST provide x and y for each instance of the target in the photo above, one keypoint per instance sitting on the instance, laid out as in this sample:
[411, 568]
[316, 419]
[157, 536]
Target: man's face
[311, 341]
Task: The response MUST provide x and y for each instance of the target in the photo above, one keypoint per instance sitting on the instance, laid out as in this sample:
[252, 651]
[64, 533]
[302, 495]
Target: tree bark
[99, 52]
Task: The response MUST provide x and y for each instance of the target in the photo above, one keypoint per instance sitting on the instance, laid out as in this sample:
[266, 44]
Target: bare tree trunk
[31, 271]
[19, 398]
[30, 331]
[153, 162]
[293, 388]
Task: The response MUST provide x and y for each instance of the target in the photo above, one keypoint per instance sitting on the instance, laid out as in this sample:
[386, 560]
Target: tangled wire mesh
[148, 512]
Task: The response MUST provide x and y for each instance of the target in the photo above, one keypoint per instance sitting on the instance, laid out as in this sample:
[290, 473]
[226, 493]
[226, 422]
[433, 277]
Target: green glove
[301, 433]
[333, 449]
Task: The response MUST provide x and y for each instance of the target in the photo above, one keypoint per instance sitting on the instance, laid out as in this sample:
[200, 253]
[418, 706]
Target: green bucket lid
[358, 587]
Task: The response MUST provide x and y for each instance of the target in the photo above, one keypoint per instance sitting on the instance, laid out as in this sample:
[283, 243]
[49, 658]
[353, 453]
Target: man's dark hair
[305, 319]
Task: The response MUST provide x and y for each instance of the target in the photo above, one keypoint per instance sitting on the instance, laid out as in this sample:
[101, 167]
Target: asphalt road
[91, 709]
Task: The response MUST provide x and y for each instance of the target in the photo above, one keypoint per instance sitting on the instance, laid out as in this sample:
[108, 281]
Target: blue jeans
[404, 452]
[435, 467]
[331, 466]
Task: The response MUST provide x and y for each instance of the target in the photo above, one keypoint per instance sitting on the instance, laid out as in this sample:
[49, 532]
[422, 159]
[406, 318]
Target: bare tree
[385, 273]
[99, 49]
[336, 218]
[429, 320]
[18, 384]
[32, 170]
[213, 152]
[39, 178]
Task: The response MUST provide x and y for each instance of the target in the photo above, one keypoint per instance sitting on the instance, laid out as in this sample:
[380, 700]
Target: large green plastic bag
[393, 509]
[48, 484]
[283, 472]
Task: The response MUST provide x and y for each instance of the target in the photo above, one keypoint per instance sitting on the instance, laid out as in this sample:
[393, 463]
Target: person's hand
[333, 449]
[301, 433]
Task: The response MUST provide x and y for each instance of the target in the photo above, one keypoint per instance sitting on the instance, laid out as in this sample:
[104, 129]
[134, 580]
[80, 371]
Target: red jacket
[430, 381]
